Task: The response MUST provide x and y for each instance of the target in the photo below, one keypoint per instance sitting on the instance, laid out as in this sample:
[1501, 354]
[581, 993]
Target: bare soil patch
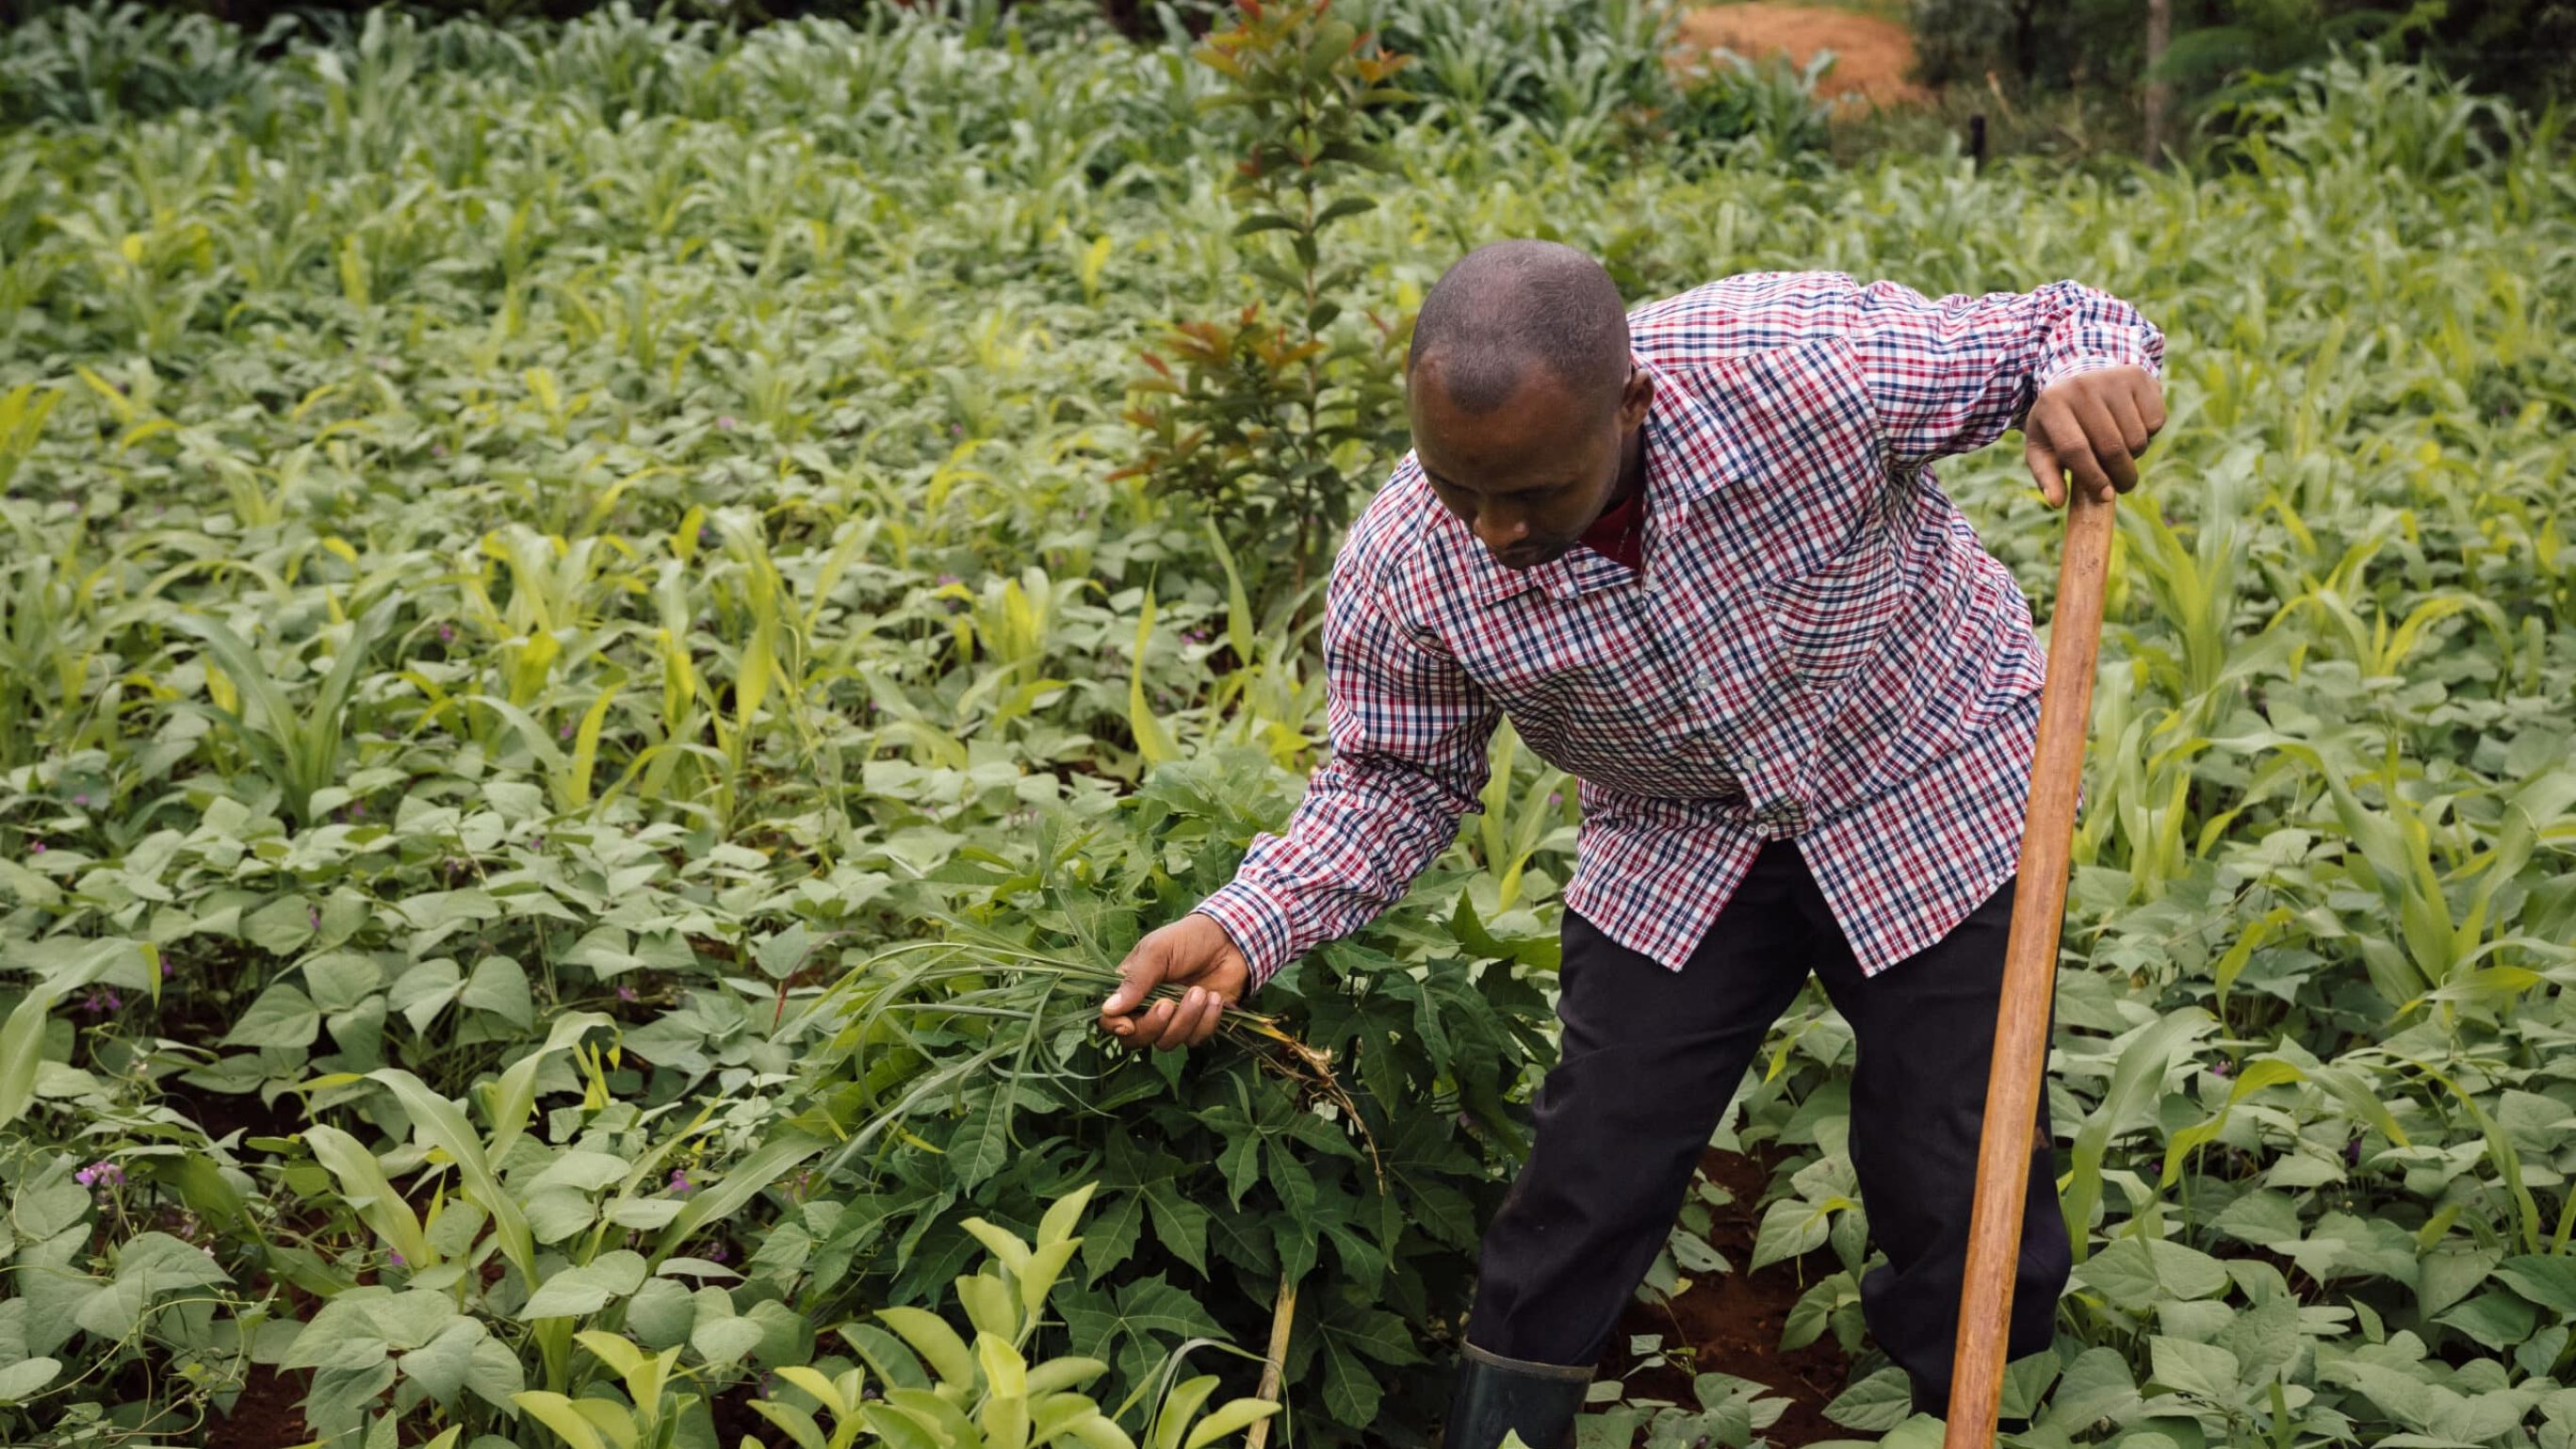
[1734, 1320]
[1872, 57]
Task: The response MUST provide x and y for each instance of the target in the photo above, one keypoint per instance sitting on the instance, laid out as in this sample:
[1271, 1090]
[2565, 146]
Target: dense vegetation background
[607, 630]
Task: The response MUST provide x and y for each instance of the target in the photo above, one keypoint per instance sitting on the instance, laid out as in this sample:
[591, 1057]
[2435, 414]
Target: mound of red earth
[1872, 57]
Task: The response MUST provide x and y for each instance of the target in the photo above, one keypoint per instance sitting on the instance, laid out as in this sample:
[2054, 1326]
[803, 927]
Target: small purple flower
[625, 992]
[313, 916]
[2352, 1153]
[358, 808]
[706, 535]
[81, 800]
[946, 579]
[566, 732]
[719, 1254]
[956, 430]
[680, 1182]
[1194, 636]
[35, 847]
[168, 971]
[536, 842]
[100, 1174]
[396, 1255]
[99, 1000]
[446, 633]
[1556, 797]
[438, 450]
[2222, 1069]
[725, 423]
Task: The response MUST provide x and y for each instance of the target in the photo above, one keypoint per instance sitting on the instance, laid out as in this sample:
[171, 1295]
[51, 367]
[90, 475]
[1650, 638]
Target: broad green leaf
[725, 1341]
[1172, 1417]
[932, 1338]
[2203, 1369]
[798, 1425]
[1228, 1419]
[558, 1414]
[283, 1016]
[445, 1364]
[2546, 1279]
[579, 1291]
[1876, 1404]
[660, 1314]
[20, 1380]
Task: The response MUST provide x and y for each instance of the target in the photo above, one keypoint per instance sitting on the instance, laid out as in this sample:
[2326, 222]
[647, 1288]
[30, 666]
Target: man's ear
[1635, 398]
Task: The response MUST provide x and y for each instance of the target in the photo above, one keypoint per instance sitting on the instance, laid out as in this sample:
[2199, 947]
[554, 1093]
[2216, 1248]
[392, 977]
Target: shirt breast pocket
[1831, 619]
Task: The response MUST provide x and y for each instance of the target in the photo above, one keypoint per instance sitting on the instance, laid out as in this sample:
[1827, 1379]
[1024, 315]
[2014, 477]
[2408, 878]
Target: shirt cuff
[1256, 922]
[2091, 349]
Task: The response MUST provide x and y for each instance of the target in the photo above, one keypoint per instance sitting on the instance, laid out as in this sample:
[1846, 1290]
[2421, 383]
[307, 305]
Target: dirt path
[1871, 55]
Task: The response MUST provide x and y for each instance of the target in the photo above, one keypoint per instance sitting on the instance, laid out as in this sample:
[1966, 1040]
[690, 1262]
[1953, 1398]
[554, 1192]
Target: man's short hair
[1512, 306]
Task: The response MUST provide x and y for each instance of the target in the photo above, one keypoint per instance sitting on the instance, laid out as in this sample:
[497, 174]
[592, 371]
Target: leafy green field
[588, 698]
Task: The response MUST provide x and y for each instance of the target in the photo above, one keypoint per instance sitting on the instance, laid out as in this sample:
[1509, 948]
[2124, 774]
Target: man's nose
[1499, 530]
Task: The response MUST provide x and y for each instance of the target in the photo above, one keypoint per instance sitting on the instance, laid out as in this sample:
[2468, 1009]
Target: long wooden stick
[2030, 976]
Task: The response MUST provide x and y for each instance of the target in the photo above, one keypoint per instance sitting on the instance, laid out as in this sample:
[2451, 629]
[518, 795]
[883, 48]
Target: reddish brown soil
[1734, 1319]
[1872, 57]
[264, 1417]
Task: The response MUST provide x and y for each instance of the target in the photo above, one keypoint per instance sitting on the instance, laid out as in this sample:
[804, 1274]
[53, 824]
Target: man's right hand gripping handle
[1193, 955]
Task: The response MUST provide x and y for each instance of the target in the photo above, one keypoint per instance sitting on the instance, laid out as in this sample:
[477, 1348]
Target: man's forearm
[1356, 844]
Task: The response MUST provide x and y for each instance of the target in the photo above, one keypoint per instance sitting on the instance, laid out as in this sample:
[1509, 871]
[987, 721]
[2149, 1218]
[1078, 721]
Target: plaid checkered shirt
[1817, 648]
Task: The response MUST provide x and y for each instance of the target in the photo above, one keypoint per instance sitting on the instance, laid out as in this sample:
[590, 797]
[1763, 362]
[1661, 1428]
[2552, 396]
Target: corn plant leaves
[22, 1034]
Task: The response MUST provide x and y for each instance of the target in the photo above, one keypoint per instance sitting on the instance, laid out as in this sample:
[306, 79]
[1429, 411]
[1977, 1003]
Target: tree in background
[2220, 48]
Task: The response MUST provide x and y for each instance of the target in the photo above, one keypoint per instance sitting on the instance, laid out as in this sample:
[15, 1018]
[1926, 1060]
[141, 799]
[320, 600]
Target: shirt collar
[1686, 458]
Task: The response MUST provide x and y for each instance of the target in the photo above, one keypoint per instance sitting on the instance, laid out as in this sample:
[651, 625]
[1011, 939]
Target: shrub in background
[1270, 417]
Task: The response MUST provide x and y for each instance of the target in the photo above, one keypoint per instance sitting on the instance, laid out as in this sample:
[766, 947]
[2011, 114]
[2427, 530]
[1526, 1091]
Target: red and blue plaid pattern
[1816, 648]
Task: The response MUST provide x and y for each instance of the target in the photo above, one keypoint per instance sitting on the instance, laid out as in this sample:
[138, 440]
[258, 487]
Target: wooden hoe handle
[2030, 972]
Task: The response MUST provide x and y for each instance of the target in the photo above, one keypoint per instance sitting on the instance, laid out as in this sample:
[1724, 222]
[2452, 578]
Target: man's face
[1529, 477]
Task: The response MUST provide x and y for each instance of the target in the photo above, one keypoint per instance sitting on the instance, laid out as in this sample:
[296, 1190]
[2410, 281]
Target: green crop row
[588, 697]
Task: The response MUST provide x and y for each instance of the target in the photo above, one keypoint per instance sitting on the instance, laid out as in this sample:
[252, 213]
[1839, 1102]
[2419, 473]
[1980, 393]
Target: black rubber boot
[1494, 1394]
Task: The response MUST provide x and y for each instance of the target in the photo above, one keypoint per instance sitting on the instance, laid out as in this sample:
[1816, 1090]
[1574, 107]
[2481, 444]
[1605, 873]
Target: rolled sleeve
[1256, 921]
[1952, 375]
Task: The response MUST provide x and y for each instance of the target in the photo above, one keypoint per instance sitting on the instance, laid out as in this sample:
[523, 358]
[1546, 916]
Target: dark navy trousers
[1652, 1056]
